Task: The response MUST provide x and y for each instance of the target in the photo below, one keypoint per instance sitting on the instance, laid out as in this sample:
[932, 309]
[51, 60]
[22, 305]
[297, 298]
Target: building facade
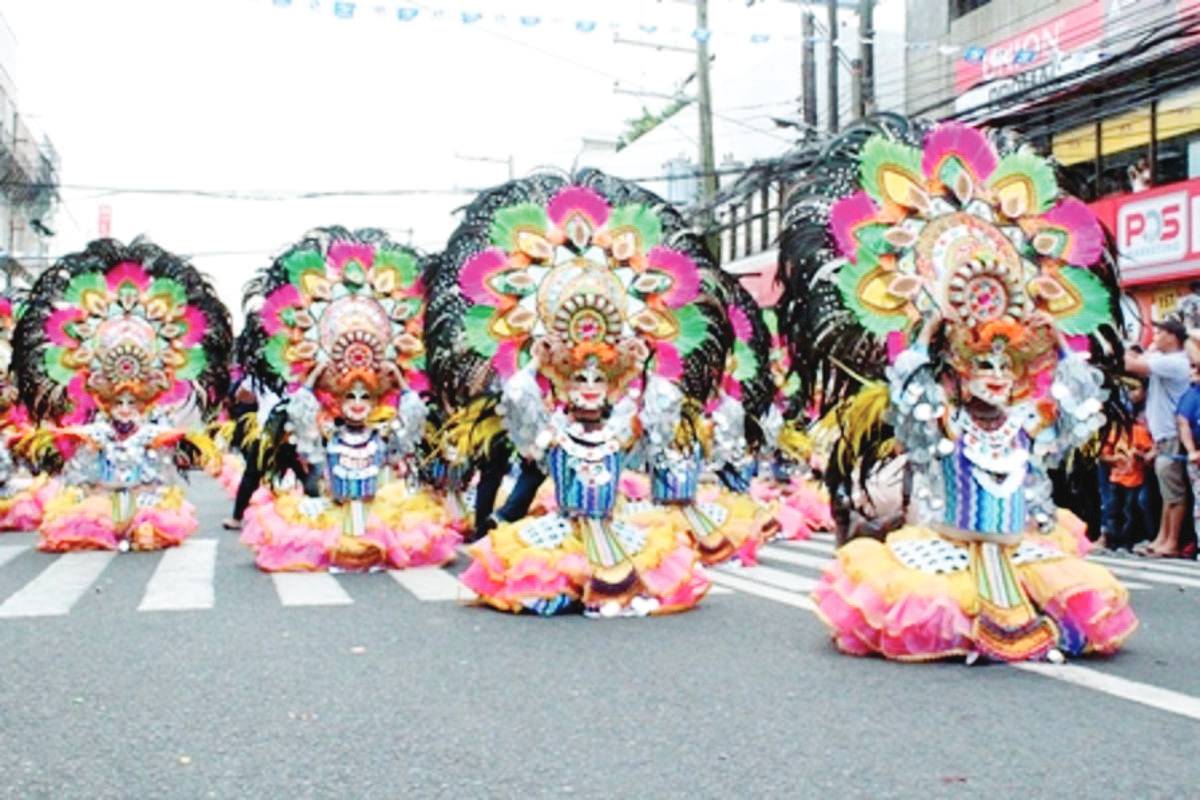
[28, 179]
[1111, 89]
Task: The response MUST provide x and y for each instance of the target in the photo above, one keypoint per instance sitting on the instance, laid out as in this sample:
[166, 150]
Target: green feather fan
[747, 362]
[52, 358]
[880, 152]
[640, 217]
[476, 327]
[197, 360]
[273, 353]
[508, 221]
[403, 262]
[1094, 308]
[171, 289]
[303, 261]
[1033, 169]
[848, 279]
[81, 283]
[693, 329]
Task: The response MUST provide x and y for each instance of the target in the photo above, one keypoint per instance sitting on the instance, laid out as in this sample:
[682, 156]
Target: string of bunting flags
[413, 13]
[419, 12]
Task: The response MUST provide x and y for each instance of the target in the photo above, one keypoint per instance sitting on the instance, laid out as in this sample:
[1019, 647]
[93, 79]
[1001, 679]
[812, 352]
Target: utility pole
[856, 89]
[808, 73]
[832, 77]
[708, 174]
[866, 57]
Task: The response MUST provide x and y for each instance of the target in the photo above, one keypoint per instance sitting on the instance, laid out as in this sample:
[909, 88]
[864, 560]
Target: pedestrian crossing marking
[10, 551]
[432, 584]
[184, 578]
[309, 589]
[58, 587]
[781, 579]
[1150, 564]
[761, 590]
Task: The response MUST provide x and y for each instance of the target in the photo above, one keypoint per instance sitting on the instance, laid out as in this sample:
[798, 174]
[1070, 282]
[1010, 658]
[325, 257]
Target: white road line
[309, 589]
[184, 578]
[10, 551]
[1144, 575]
[815, 547]
[767, 592]
[771, 552]
[431, 584]
[1148, 564]
[1153, 696]
[58, 587]
[778, 578]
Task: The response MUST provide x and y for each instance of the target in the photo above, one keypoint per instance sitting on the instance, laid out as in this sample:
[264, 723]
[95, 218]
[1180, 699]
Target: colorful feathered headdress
[572, 267]
[956, 226]
[117, 320]
[341, 307]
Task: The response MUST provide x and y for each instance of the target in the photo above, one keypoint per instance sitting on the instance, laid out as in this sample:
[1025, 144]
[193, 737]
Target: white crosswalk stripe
[432, 584]
[309, 589]
[184, 578]
[10, 551]
[56, 590]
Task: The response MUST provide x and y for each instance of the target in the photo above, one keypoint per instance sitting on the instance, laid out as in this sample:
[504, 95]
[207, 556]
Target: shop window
[959, 8]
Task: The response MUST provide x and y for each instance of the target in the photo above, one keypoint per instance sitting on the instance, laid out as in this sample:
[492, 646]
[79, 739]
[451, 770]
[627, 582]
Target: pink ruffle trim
[916, 628]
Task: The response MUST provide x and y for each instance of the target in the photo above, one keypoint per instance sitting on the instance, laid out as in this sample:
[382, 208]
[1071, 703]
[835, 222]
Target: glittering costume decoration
[341, 321]
[23, 497]
[126, 339]
[986, 285]
[592, 315]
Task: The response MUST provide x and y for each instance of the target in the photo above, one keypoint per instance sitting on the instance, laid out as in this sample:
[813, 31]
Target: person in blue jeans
[1187, 414]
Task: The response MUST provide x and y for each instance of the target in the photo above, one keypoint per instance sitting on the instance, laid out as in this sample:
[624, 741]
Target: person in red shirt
[1127, 453]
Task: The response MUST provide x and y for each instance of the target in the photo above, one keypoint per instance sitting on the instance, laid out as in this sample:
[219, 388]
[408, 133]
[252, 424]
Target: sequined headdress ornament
[583, 278]
[985, 238]
[346, 307]
[117, 320]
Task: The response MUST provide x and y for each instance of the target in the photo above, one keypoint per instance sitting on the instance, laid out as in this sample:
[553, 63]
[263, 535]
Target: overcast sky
[243, 95]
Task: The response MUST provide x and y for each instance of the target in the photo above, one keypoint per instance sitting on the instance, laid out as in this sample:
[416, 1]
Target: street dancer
[341, 321]
[590, 306]
[1002, 279]
[125, 338]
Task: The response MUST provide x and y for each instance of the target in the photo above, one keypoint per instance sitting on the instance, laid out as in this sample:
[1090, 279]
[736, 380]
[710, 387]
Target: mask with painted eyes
[357, 403]
[588, 389]
[125, 409]
[991, 378]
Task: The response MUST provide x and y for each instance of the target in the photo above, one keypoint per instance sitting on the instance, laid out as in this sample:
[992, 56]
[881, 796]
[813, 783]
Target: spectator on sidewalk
[1188, 417]
[1166, 365]
[1126, 454]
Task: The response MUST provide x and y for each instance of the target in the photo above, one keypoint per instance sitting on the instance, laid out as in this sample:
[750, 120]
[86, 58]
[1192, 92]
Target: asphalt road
[384, 694]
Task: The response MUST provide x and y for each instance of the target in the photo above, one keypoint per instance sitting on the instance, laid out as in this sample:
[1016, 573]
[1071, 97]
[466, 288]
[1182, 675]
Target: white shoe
[1055, 656]
[972, 658]
[123, 545]
[610, 610]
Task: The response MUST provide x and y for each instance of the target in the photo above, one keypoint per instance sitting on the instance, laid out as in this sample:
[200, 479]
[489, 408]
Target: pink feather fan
[286, 296]
[969, 145]
[341, 253]
[846, 216]
[1085, 238]
[473, 278]
[127, 272]
[580, 199]
[685, 283]
[742, 329]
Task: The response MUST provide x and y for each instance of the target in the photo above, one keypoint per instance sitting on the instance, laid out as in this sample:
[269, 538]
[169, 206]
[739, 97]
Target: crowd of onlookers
[1149, 472]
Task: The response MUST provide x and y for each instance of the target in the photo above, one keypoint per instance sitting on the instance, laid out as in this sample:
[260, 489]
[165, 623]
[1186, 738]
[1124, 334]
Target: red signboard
[1157, 232]
[1036, 47]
